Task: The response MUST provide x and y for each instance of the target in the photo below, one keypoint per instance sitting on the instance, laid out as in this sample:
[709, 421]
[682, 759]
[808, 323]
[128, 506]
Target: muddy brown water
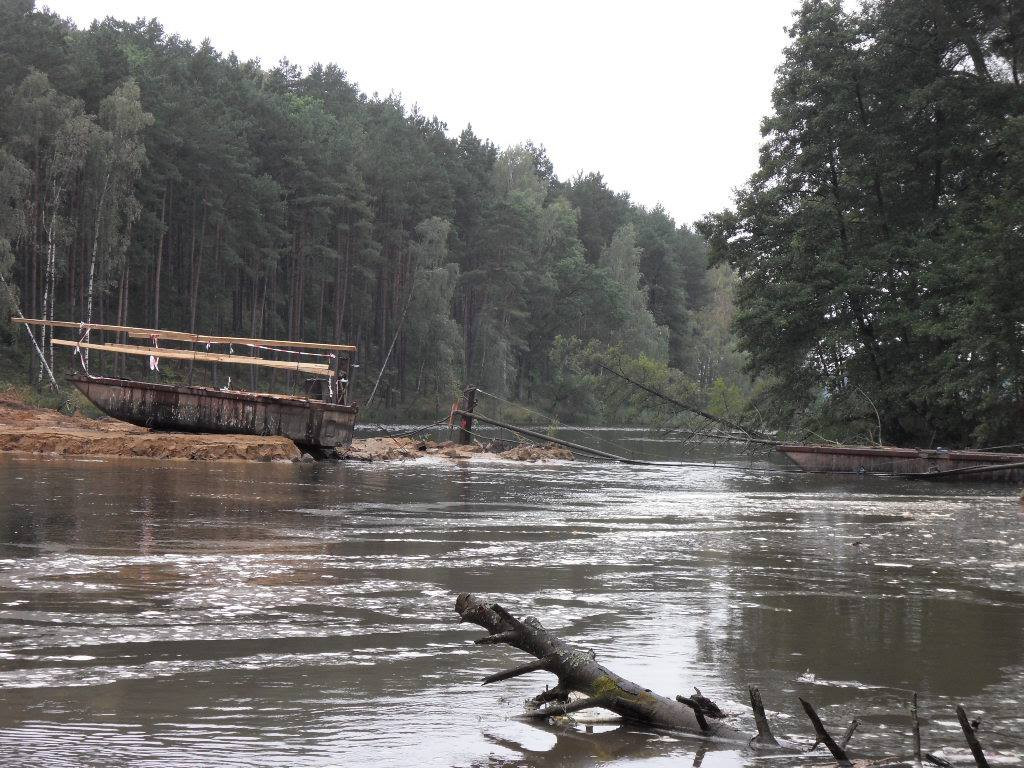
[183, 613]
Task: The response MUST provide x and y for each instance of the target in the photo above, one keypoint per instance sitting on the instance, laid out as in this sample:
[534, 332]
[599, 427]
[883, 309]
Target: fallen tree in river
[578, 671]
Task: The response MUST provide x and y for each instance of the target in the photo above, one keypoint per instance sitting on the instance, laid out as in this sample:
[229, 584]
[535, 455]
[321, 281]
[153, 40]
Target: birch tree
[117, 157]
[53, 135]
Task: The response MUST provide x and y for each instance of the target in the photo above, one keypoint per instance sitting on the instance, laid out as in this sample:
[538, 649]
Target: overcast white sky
[663, 97]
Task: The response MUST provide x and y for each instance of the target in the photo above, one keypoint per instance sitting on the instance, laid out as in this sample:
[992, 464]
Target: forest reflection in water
[176, 613]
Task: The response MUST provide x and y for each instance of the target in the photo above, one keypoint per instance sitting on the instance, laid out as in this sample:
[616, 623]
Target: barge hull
[309, 423]
[914, 463]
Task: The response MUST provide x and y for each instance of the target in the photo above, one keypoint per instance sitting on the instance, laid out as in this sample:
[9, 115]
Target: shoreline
[28, 430]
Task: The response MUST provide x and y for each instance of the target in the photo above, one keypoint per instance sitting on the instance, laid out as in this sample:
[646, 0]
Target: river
[178, 614]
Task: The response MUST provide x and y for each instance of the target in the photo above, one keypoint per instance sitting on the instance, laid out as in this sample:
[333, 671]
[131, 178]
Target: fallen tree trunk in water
[578, 671]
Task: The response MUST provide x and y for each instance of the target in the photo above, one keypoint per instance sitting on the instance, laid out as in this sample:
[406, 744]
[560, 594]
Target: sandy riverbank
[26, 429]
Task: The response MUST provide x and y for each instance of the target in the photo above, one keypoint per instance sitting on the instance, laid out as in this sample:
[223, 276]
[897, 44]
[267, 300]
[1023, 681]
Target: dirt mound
[15, 413]
[549, 452]
[380, 449]
[392, 448]
[27, 429]
[147, 445]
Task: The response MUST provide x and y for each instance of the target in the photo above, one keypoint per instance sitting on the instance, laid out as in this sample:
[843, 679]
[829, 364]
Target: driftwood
[578, 671]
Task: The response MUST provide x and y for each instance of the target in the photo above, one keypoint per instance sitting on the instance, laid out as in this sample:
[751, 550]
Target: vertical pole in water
[917, 729]
[468, 403]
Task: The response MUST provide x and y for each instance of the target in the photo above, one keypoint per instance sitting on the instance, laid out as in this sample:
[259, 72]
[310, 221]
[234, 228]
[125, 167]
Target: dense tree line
[148, 181]
[880, 246]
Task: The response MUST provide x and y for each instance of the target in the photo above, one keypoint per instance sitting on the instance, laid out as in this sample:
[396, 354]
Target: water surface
[216, 614]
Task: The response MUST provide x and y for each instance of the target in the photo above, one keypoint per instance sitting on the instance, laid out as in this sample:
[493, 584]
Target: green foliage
[581, 386]
[726, 399]
[714, 345]
[434, 340]
[149, 181]
[639, 331]
[875, 245]
[14, 181]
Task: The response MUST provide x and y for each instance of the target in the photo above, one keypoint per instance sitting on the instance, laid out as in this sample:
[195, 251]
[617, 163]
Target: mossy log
[578, 670]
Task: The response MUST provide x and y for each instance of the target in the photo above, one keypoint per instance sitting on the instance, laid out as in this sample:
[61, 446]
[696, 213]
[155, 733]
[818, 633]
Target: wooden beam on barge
[200, 338]
[197, 338]
[320, 369]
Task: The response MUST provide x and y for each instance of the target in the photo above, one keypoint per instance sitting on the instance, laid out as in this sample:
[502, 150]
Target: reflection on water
[183, 614]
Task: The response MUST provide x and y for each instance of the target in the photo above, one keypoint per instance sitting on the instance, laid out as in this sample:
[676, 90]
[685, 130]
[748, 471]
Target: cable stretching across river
[594, 453]
[751, 435]
[551, 419]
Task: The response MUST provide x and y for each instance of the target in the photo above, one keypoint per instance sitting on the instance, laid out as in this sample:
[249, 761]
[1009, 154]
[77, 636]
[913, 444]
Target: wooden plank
[320, 369]
[199, 338]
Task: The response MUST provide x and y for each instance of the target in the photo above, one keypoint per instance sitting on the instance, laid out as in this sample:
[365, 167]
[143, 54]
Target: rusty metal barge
[308, 422]
[910, 463]
[322, 418]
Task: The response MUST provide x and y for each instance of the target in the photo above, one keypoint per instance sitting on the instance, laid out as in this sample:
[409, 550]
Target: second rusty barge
[911, 463]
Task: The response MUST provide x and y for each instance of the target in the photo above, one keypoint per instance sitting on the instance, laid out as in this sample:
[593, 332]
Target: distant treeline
[880, 247]
[148, 181]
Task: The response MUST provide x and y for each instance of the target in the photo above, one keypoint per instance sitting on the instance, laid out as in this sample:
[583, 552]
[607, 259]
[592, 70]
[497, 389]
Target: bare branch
[854, 724]
[498, 637]
[558, 693]
[765, 737]
[707, 705]
[539, 665]
[971, 736]
[701, 720]
[823, 735]
[554, 710]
